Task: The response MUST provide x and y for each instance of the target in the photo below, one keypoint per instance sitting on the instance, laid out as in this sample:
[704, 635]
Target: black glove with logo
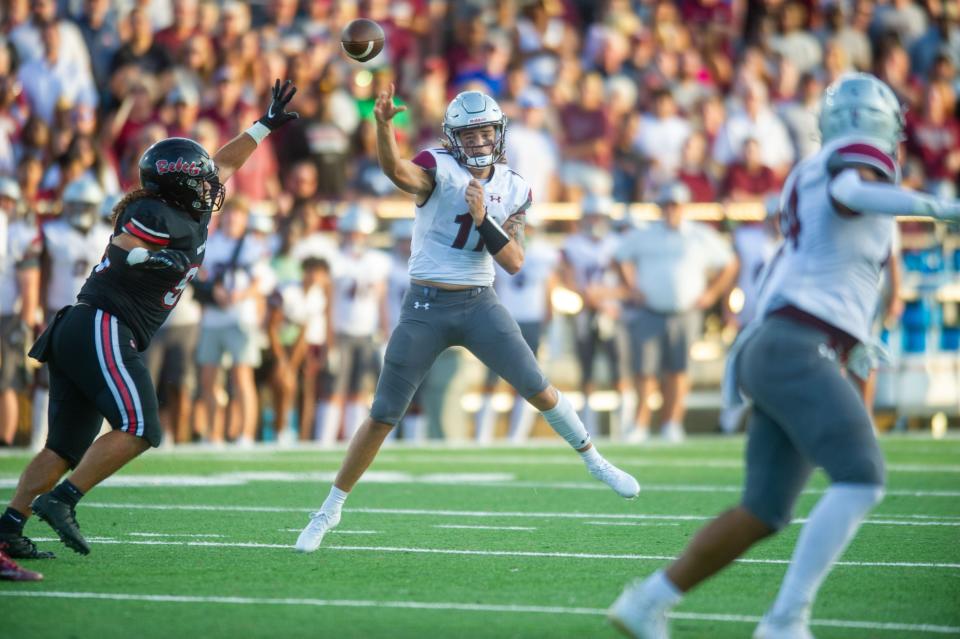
[276, 116]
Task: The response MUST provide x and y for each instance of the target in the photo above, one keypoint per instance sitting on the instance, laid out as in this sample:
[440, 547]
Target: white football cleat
[793, 627]
[622, 483]
[320, 523]
[637, 615]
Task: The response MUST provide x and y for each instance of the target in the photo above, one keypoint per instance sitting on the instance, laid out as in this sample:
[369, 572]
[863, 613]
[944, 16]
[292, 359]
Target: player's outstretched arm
[234, 153]
[854, 190]
[405, 174]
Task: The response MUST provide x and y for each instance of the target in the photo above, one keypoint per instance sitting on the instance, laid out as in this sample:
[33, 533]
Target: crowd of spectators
[615, 98]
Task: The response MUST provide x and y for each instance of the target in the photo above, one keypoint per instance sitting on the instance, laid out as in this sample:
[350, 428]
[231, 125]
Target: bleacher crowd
[670, 102]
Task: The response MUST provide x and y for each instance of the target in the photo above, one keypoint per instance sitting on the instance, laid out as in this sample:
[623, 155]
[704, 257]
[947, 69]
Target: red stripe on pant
[110, 358]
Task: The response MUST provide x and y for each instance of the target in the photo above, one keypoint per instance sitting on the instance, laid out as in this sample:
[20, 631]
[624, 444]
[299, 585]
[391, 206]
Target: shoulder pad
[854, 154]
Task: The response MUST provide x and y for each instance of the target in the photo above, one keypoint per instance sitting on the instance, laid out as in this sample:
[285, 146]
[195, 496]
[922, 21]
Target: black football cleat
[19, 547]
[63, 520]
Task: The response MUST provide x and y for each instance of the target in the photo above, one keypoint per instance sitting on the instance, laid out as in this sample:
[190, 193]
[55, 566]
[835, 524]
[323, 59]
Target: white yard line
[464, 527]
[465, 607]
[474, 480]
[887, 519]
[153, 534]
[627, 523]
[494, 553]
[338, 532]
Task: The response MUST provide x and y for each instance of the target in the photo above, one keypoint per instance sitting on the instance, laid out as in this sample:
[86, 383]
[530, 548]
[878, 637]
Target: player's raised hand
[277, 115]
[474, 199]
[385, 109]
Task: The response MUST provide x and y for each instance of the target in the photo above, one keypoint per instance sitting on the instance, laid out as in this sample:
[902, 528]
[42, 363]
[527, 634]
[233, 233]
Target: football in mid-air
[362, 39]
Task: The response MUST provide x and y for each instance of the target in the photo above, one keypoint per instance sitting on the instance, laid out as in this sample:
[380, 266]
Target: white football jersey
[525, 294]
[20, 241]
[589, 257]
[356, 278]
[446, 244]
[831, 260]
[397, 286]
[72, 256]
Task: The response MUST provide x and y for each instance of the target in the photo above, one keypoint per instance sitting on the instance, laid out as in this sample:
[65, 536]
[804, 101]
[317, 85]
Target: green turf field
[466, 542]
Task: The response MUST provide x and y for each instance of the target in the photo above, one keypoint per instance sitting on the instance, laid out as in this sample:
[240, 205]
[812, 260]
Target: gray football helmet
[860, 104]
[470, 110]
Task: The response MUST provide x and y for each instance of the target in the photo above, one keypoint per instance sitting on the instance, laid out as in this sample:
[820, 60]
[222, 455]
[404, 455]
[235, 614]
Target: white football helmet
[81, 203]
[469, 110]
[358, 218]
[860, 104]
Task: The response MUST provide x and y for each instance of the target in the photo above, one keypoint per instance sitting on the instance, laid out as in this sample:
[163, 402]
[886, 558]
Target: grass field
[466, 542]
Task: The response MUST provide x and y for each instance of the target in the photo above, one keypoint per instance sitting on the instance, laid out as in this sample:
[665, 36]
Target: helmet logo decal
[191, 168]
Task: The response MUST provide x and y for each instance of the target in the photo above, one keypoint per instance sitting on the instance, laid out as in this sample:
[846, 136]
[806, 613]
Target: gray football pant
[432, 320]
[805, 414]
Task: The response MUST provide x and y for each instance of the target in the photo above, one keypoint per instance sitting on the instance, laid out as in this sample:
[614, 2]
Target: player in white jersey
[587, 268]
[71, 247]
[470, 212]
[359, 276]
[73, 244]
[19, 292]
[813, 318]
[527, 296]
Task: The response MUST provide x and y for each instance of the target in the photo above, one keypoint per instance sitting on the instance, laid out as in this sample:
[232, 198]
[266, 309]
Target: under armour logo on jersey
[425, 305]
[495, 198]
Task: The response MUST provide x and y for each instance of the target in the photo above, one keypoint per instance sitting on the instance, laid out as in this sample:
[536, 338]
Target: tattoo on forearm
[514, 227]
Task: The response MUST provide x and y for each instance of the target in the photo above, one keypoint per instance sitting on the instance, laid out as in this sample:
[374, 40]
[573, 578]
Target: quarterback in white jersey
[813, 318]
[470, 212]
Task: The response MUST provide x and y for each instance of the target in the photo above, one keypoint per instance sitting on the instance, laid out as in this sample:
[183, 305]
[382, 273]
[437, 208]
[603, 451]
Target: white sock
[591, 457]
[563, 419]
[661, 590]
[521, 420]
[832, 524]
[334, 501]
[38, 434]
[589, 418]
[353, 418]
[485, 419]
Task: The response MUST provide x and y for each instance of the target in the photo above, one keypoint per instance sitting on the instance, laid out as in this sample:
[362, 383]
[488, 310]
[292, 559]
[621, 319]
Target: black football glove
[276, 117]
[169, 259]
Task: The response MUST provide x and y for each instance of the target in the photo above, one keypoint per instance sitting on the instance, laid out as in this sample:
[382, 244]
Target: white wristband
[258, 131]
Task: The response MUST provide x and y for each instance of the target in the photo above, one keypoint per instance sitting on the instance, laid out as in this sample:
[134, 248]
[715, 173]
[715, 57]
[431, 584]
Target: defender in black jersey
[94, 347]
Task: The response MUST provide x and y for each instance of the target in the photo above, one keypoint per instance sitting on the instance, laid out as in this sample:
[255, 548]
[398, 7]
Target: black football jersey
[142, 298]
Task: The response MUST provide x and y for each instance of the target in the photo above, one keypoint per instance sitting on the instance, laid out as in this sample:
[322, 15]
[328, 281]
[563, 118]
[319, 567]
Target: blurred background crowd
[617, 101]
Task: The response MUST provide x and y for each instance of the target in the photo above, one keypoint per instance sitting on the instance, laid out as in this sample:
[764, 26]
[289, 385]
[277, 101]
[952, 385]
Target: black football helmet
[183, 174]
